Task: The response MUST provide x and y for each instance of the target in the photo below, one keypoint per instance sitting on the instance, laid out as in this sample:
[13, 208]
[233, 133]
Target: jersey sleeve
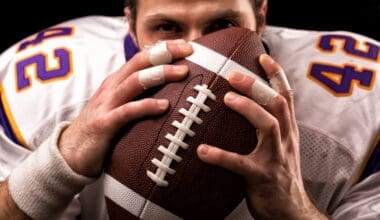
[48, 77]
[362, 201]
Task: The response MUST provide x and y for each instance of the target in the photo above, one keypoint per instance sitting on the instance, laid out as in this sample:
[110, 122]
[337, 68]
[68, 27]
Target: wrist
[79, 153]
[305, 210]
[52, 184]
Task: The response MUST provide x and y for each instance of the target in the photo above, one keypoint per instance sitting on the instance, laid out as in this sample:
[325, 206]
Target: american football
[154, 171]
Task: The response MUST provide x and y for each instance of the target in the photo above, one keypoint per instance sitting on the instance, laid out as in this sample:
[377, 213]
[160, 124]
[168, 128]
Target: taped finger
[151, 77]
[159, 54]
[262, 93]
[279, 82]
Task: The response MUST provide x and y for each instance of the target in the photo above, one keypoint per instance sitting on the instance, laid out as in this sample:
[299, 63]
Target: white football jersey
[48, 78]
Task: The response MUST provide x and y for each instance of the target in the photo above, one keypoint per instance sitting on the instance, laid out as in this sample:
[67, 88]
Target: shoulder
[61, 65]
[335, 76]
[292, 33]
[76, 45]
[326, 56]
[276, 36]
[89, 27]
[85, 40]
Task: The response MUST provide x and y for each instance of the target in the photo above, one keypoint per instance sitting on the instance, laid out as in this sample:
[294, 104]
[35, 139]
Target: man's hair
[256, 5]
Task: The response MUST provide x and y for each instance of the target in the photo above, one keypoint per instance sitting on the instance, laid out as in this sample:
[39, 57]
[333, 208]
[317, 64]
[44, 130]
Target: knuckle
[272, 127]
[279, 105]
[140, 57]
[280, 102]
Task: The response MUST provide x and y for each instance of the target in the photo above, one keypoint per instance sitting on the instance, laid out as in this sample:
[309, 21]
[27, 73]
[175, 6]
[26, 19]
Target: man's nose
[193, 34]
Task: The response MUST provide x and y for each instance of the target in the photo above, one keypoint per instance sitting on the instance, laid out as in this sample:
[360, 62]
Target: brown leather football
[154, 171]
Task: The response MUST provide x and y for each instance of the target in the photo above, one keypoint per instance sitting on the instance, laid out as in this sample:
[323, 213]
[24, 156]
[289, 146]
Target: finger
[261, 119]
[150, 77]
[276, 75]
[137, 109]
[253, 88]
[264, 95]
[279, 82]
[231, 161]
[161, 53]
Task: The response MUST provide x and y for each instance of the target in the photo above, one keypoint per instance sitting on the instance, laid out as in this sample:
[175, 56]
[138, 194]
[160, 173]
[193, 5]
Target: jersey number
[39, 63]
[340, 80]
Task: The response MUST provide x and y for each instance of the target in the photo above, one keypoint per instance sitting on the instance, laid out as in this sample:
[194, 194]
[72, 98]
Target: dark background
[27, 17]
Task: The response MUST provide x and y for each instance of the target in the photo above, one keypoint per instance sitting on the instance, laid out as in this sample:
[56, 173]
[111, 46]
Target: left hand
[272, 170]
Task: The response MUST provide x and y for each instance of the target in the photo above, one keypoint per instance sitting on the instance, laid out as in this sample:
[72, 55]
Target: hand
[86, 141]
[272, 170]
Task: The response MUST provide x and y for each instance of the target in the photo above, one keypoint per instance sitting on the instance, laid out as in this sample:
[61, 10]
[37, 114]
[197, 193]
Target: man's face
[189, 19]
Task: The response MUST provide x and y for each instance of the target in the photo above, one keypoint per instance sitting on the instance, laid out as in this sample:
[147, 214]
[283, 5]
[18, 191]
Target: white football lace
[183, 129]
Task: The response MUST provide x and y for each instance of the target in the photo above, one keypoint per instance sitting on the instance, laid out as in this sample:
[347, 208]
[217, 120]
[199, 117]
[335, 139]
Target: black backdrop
[26, 17]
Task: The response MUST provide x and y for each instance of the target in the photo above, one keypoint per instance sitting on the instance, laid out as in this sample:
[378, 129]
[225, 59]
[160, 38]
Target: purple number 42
[340, 79]
[39, 61]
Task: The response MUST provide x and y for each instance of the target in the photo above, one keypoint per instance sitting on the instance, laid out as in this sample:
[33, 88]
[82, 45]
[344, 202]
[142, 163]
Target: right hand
[86, 141]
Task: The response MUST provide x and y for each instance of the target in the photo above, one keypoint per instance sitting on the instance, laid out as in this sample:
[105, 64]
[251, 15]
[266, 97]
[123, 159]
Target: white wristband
[43, 185]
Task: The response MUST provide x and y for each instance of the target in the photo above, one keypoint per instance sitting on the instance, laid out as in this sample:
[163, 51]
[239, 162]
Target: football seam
[239, 43]
[177, 140]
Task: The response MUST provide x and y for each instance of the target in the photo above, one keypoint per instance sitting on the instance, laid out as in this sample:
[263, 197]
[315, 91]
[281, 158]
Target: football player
[66, 90]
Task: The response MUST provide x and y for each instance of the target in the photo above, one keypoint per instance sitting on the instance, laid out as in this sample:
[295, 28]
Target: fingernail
[185, 47]
[180, 69]
[236, 77]
[163, 104]
[179, 41]
[203, 149]
[265, 58]
[230, 96]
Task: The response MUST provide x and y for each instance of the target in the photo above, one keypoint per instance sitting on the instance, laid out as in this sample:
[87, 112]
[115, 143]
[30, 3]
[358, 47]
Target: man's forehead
[191, 4]
[191, 8]
[172, 15]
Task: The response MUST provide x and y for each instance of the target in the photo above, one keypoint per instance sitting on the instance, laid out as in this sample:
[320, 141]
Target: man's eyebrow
[231, 14]
[226, 14]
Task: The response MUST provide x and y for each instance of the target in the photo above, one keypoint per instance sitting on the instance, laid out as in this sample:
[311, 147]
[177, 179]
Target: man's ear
[131, 23]
[264, 8]
[262, 13]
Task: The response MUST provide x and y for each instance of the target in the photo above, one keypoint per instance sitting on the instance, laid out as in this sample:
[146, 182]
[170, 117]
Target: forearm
[8, 208]
[314, 212]
[273, 201]
[309, 211]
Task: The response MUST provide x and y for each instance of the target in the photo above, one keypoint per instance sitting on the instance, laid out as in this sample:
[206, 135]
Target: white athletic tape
[262, 93]
[279, 82]
[159, 54]
[152, 76]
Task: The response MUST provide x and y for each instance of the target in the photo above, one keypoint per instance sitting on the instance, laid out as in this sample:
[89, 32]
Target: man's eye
[219, 25]
[167, 27]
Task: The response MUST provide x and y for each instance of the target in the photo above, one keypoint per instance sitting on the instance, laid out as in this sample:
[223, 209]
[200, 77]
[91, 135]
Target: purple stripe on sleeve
[130, 47]
[4, 122]
[373, 164]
